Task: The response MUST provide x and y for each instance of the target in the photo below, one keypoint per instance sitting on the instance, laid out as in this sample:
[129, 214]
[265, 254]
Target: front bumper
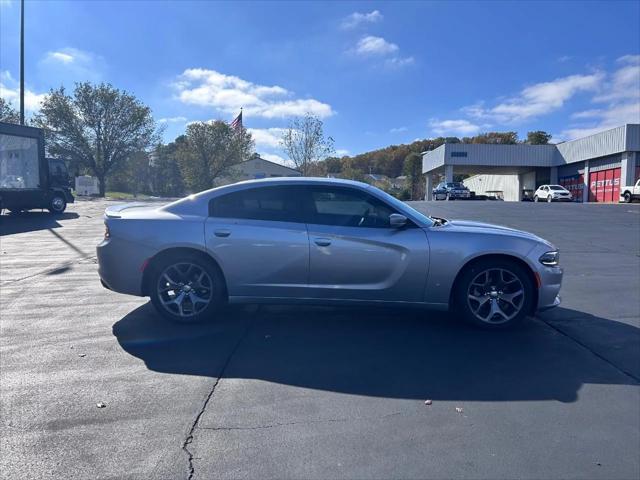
[549, 289]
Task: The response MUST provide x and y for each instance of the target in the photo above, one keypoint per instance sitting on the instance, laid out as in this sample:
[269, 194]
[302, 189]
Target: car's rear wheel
[186, 289]
[494, 294]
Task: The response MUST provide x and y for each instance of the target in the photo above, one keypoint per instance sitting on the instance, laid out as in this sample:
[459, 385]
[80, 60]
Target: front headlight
[551, 259]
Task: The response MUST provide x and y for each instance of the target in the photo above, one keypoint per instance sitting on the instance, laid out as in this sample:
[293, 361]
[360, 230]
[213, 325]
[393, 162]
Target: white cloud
[538, 99]
[371, 45]
[377, 47]
[10, 91]
[620, 99]
[398, 130]
[341, 152]
[453, 127]
[72, 64]
[357, 18]
[267, 137]
[61, 57]
[397, 62]
[173, 120]
[272, 157]
[227, 93]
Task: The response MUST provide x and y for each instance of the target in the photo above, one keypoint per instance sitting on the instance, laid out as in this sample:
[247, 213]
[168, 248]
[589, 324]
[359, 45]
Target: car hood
[479, 227]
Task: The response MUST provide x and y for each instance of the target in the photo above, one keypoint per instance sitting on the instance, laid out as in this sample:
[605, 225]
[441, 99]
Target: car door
[259, 239]
[356, 255]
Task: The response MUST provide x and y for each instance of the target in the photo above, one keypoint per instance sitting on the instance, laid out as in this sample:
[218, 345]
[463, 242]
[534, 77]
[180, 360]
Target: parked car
[450, 191]
[321, 241]
[628, 193]
[552, 193]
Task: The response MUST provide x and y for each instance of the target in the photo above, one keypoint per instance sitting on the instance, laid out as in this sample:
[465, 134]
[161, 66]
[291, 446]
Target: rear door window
[274, 203]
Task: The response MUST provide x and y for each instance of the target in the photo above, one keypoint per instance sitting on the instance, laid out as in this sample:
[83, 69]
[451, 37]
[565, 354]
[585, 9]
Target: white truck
[629, 193]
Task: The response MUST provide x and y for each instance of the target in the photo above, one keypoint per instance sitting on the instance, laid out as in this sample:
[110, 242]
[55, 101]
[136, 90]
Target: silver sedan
[304, 240]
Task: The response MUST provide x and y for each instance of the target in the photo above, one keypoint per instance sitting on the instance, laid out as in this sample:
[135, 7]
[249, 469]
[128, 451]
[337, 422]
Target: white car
[552, 193]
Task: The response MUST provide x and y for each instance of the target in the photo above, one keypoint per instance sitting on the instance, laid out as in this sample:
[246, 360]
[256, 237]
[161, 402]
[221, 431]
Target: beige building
[256, 167]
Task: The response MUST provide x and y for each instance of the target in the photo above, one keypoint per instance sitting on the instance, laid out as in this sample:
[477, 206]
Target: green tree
[7, 113]
[538, 137]
[413, 170]
[99, 127]
[305, 143]
[166, 177]
[209, 149]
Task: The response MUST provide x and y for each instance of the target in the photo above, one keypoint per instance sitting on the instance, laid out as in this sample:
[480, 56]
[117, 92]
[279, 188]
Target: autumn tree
[496, 138]
[209, 149]
[99, 127]
[305, 143]
[7, 113]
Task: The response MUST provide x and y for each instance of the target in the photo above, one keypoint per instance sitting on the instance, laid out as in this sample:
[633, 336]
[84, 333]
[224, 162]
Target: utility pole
[21, 62]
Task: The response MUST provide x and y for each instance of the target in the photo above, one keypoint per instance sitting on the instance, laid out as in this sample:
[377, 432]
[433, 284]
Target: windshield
[454, 185]
[556, 187]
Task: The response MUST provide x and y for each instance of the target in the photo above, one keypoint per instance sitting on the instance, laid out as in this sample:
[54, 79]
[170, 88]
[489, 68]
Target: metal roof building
[593, 167]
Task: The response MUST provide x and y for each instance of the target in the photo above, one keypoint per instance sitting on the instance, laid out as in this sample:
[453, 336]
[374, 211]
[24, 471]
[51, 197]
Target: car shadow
[406, 353]
[32, 221]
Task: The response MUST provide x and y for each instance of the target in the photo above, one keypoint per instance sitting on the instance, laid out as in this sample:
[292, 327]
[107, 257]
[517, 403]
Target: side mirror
[396, 220]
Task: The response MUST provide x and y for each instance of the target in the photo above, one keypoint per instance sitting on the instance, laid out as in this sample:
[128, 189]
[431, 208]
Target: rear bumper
[120, 266]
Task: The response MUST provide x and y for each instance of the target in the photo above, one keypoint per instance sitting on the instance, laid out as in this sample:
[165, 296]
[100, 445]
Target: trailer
[27, 178]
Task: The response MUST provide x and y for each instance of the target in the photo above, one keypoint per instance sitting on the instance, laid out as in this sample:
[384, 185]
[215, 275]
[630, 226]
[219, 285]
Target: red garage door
[575, 184]
[604, 186]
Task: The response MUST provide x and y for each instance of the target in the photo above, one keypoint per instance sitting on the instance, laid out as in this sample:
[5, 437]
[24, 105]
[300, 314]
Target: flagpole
[22, 62]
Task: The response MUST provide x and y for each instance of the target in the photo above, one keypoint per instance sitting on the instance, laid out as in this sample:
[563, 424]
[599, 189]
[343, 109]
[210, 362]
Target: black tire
[627, 197]
[549, 199]
[535, 198]
[216, 286]
[464, 306]
[57, 204]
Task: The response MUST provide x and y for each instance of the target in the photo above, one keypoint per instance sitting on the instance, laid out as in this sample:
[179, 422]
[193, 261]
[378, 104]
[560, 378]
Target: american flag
[237, 122]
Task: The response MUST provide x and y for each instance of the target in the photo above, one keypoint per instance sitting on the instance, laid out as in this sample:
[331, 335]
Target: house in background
[256, 167]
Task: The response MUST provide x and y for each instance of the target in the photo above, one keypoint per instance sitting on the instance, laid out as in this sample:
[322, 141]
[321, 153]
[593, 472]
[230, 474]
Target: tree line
[108, 133]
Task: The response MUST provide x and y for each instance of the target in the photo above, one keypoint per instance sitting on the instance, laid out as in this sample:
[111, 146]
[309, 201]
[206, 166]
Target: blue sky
[378, 73]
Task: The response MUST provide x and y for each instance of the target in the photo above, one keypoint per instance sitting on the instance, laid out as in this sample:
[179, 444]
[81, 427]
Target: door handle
[322, 242]
[222, 233]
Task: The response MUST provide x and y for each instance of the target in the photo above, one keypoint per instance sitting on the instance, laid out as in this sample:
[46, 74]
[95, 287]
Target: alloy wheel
[185, 289]
[495, 296]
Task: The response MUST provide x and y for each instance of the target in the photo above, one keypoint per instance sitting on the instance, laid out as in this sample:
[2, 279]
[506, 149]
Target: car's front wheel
[494, 294]
[627, 197]
[549, 199]
[186, 289]
[535, 198]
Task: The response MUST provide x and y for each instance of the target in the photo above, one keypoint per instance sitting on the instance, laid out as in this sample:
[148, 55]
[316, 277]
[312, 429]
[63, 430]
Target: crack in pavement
[194, 425]
[590, 350]
[302, 422]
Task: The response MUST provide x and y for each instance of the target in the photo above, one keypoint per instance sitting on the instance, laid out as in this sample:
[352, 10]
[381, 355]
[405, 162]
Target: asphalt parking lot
[284, 392]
